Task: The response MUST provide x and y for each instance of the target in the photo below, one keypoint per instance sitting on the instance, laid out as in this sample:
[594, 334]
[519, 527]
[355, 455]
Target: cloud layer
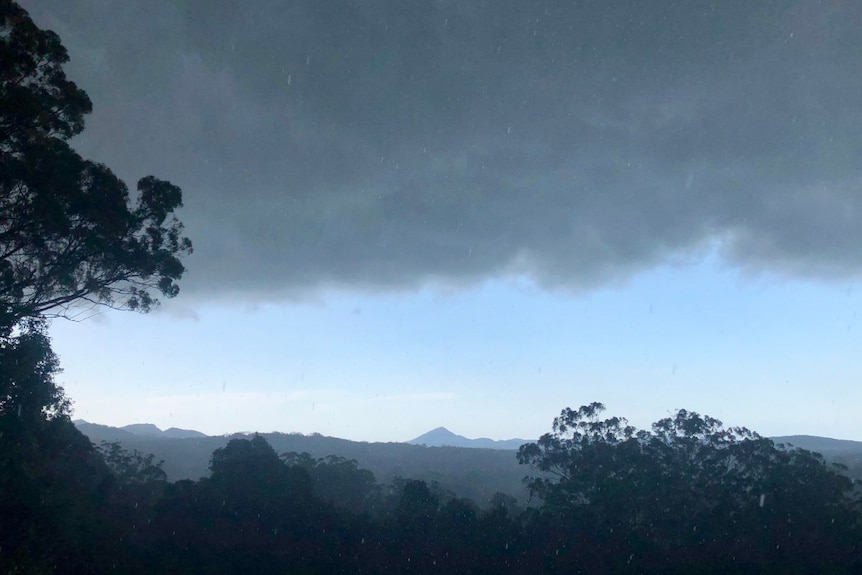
[382, 144]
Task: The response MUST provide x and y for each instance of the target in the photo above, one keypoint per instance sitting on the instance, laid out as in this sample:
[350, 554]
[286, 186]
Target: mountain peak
[442, 437]
[441, 431]
[439, 436]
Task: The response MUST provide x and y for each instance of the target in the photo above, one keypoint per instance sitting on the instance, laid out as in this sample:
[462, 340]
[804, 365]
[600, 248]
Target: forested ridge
[688, 495]
[473, 473]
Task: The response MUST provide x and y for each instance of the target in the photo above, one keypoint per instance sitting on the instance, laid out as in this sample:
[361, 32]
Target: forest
[687, 495]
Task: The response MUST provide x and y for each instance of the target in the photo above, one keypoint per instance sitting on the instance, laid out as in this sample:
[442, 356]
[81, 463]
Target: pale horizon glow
[498, 360]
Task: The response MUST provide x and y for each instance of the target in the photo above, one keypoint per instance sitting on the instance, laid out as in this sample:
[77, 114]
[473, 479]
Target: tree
[69, 235]
[254, 514]
[51, 477]
[131, 467]
[579, 455]
[690, 493]
[28, 392]
[339, 481]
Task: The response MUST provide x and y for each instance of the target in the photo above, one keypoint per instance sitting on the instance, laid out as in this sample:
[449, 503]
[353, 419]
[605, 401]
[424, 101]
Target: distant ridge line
[437, 437]
[442, 437]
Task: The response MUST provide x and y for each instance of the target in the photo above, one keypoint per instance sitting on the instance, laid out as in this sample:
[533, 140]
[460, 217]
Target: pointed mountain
[441, 437]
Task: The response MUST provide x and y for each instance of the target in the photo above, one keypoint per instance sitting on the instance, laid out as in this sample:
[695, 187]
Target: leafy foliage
[339, 481]
[68, 235]
[693, 490]
[131, 467]
[51, 478]
[28, 390]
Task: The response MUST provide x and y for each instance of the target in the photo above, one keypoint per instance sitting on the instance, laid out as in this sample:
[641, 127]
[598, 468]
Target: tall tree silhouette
[690, 494]
[69, 235]
[51, 477]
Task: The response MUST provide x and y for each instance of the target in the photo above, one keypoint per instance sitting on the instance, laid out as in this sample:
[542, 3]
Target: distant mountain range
[476, 474]
[439, 437]
[108, 433]
[442, 437]
[472, 468]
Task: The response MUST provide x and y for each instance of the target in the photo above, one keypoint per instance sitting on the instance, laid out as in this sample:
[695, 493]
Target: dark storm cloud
[387, 143]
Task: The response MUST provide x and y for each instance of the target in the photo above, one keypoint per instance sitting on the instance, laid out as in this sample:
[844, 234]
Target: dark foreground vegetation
[687, 496]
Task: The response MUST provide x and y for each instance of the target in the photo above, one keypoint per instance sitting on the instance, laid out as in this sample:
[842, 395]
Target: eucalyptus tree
[70, 234]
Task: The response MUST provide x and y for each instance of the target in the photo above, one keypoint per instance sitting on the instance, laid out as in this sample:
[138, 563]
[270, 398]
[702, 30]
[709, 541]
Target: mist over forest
[594, 493]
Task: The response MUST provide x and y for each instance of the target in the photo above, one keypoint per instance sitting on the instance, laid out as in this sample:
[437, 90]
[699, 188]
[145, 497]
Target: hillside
[824, 445]
[474, 473]
[473, 468]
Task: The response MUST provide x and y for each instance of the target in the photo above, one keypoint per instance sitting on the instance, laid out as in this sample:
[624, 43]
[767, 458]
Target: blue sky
[498, 360]
[475, 214]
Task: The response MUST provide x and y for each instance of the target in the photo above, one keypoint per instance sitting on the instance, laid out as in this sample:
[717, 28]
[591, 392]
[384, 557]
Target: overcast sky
[473, 214]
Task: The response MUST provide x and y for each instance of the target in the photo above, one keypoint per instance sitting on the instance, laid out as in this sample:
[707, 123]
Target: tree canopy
[692, 489]
[69, 232]
[71, 237]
